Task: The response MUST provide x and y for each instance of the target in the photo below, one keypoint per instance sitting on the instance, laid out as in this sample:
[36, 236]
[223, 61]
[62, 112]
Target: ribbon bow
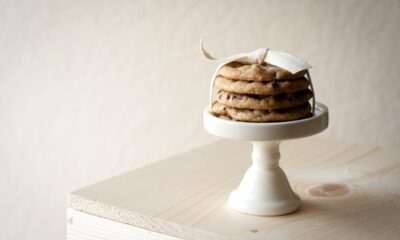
[280, 59]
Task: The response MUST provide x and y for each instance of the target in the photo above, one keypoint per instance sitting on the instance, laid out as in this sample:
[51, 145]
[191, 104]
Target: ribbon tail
[286, 61]
[205, 53]
[238, 57]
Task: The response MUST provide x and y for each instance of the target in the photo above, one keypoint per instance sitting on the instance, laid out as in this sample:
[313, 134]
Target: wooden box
[185, 197]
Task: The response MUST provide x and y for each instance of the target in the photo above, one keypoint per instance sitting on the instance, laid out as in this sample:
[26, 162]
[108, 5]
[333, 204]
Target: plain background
[90, 89]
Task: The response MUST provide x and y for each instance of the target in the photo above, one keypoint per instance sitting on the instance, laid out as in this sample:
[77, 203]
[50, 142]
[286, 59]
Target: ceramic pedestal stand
[265, 190]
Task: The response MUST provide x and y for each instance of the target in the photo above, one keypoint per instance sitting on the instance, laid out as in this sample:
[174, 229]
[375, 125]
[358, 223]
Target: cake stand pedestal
[264, 189]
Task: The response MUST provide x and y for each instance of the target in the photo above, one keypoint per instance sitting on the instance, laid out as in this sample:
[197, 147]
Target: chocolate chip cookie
[261, 88]
[252, 115]
[260, 102]
[257, 72]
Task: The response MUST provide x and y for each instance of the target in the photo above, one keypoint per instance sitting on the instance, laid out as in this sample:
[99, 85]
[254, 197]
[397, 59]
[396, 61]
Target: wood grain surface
[348, 191]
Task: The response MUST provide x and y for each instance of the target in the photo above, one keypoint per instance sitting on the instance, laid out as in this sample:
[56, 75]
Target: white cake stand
[264, 189]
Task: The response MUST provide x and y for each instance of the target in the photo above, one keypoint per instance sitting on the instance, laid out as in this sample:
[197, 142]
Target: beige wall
[90, 89]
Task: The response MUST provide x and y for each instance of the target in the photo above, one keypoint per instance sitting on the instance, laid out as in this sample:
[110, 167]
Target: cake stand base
[264, 189]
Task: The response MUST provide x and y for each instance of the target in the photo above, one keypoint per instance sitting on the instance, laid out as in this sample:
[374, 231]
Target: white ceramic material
[265, 190]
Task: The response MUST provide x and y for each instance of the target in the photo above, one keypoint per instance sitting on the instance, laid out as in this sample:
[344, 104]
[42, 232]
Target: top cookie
[255, 72]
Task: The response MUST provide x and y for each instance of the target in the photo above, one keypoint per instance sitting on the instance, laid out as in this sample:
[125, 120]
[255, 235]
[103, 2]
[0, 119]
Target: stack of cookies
[261, 93]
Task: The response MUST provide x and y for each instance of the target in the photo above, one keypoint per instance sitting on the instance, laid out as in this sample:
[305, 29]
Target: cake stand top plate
[274, 131]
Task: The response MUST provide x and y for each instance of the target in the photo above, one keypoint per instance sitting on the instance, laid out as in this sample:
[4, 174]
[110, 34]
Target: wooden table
[185, 197]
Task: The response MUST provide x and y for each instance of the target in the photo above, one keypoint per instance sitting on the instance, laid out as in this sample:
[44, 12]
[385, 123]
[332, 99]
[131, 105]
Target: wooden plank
[83, 226]
[185, 196]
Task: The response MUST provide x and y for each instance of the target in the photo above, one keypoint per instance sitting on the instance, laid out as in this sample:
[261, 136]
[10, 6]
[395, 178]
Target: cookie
[261, 88]
[248, 115]
[255, 72]
[248, 101]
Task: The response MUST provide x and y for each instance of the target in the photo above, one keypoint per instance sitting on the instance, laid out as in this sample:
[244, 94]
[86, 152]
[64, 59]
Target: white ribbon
[280, 59]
